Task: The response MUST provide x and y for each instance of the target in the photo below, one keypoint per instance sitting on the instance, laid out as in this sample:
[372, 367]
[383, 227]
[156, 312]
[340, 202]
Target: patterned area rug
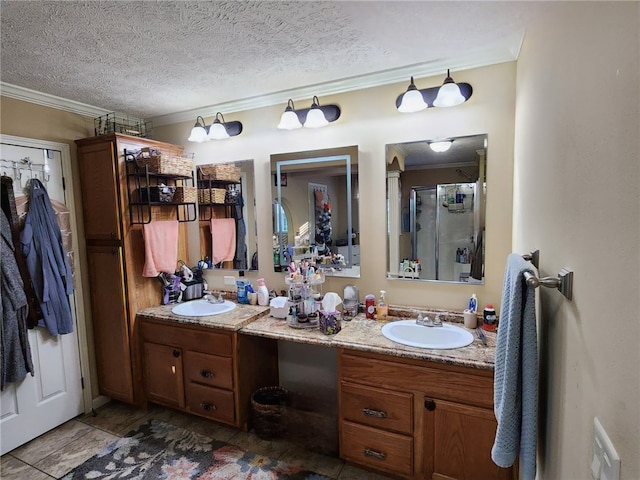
[157, 450]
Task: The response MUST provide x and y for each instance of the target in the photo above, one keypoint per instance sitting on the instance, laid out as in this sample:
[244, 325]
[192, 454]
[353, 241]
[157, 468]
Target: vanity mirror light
[226, 193]
[315, 210]
[436, 209]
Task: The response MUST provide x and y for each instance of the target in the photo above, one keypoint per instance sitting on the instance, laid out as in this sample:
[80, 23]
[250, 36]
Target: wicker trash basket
[268, 407]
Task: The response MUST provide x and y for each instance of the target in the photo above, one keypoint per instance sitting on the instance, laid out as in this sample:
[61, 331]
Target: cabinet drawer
[207, 369]
[198, 339]
[375, 448]
[473, 388]
[377, 408]
[210, 402]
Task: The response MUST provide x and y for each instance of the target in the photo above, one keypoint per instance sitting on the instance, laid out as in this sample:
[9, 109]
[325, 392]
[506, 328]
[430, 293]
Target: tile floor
[59, 451]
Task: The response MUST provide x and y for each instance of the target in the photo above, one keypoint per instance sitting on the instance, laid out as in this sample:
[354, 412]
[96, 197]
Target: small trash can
[268, 405]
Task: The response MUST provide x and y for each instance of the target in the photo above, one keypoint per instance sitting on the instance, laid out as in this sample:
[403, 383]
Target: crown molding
[46, 100]
[473, 59]
[469, 60]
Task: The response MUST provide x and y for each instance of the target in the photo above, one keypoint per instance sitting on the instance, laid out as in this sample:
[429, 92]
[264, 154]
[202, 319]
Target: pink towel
[223, 239]
[160, 247]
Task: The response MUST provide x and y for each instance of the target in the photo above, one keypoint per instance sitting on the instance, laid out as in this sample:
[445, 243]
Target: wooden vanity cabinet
[416, 419]
[115, 254]
[206, 371]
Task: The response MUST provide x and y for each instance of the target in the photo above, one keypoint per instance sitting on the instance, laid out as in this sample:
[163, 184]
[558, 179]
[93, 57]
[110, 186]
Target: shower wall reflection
[436, 210]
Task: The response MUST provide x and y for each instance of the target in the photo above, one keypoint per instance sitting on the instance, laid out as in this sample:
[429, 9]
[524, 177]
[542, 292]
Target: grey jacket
[41, 243]
[14, 340]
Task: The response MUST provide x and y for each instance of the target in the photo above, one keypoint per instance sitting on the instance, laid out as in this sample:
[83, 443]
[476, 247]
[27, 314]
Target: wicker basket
[218, 195]
[185, 194]
[204, 195]
[164, 164]
[268, 405]
[222, 171]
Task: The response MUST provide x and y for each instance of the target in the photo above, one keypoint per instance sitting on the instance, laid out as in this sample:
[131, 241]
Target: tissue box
[279, 307]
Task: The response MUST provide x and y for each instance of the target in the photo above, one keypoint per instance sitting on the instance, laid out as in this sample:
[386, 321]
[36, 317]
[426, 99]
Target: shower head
[464, 174]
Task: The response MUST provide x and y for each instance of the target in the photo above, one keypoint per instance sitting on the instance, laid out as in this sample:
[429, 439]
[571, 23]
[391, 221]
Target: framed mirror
[226, 213]
[315, 210]
[436, 194]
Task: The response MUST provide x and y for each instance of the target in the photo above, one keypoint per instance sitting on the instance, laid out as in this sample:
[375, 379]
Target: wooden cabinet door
[99, 185]
[109, 320]
[163, 374]
[458, 440]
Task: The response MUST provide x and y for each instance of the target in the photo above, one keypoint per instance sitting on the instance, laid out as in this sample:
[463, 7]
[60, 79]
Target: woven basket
[185, 194]
[218, 195]
[204, 195]
[212, 195]
[268, 405]
[222, 171]
[164, 164]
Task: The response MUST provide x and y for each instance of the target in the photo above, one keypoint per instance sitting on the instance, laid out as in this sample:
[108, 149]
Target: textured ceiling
[153, 58]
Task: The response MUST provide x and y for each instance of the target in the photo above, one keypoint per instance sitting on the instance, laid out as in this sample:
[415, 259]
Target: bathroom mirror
[436, 209]
[315, 210]
[227, 191]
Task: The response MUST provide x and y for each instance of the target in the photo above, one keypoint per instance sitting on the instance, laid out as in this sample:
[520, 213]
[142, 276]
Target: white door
[55, 393]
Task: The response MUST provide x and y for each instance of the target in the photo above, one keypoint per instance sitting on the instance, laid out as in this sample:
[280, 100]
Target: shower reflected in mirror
[436, 210]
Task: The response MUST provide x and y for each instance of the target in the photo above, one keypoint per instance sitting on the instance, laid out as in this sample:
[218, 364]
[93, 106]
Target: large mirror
[226, 213]
[315, 210]
[436, 209]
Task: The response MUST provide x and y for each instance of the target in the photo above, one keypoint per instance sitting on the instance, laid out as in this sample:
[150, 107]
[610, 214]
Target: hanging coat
[240, 260]
[14, 339]
[41, 244]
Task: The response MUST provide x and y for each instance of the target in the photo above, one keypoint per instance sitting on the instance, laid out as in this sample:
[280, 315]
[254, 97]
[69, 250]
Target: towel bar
[563, 282]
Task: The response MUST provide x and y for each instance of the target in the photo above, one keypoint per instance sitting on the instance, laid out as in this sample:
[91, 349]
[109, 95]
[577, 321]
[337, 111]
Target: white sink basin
[408, 332]
[202, 308]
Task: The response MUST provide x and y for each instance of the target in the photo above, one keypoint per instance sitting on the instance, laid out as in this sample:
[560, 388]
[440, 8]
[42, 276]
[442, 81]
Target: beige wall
[576, 199]
[24, 119]
[370, 120]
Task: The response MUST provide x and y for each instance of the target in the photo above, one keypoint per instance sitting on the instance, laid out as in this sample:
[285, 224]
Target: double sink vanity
[406, 411]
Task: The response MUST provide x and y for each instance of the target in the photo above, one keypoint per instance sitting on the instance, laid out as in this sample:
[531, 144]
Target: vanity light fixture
[440, 146]
[314, 117]
[412, 100]
[289, 120]
[447, 95]
[218, 130]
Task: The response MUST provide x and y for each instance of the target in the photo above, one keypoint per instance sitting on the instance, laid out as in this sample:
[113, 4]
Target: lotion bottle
[263, 293]
[383, 309]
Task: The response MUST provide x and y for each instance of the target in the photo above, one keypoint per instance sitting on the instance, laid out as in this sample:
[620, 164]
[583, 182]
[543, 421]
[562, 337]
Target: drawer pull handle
[372, 453]
[369, 412]
[206, 374]
[176, 353]
[209, 407]
[430, 405]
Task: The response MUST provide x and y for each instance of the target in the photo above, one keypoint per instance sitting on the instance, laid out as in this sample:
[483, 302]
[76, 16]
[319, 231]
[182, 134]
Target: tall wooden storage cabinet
[115, 253]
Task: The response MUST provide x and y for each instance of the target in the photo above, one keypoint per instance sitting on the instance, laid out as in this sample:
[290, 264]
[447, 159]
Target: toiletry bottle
[473, 303]
[263, 293]
[370, 305]
[490, 320]
[383, 309]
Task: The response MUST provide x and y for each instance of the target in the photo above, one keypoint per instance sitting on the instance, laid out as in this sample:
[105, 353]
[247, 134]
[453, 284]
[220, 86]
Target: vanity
[409, 412]
[203, 365]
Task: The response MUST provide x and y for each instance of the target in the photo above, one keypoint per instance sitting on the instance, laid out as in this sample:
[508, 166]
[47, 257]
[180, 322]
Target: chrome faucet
[211, 298]
[426, 321]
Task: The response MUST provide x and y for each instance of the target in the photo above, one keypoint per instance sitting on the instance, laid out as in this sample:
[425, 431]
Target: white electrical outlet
[230, 280]
[605, 464]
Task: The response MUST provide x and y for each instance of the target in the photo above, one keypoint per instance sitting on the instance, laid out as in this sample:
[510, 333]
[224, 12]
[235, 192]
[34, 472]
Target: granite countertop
[357, 334]
[365, 335]
[234, 320]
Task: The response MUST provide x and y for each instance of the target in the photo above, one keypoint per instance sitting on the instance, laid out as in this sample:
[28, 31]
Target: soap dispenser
[263, 293]
[383, 309]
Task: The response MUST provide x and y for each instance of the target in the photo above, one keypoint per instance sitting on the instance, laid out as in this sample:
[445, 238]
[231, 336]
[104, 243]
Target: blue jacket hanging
[41, 244]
